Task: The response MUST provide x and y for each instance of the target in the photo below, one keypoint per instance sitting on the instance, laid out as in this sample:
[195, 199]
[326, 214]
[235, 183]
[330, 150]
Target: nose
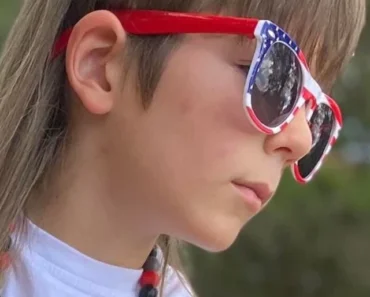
[294, 142]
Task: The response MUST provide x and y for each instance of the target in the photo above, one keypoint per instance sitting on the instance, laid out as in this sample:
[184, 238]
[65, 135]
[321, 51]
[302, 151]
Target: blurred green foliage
[312, 240]
[8, 10]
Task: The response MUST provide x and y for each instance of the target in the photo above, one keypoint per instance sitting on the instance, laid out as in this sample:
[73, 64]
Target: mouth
[256, 195]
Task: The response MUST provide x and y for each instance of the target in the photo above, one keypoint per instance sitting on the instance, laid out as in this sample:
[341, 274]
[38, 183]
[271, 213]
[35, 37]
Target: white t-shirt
[47, 267]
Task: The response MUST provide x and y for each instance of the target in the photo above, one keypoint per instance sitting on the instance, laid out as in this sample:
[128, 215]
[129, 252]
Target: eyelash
[244, 68]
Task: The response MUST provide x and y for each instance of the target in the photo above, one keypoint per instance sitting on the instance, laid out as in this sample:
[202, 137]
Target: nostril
[284, 151]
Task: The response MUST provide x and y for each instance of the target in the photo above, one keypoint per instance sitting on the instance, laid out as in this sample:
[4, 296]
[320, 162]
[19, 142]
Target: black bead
[154, 252]
[8, 244]
[152, 264]
[148, 291]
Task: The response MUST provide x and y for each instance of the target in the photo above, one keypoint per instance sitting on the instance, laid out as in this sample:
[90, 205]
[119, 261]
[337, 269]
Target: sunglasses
[278, 83]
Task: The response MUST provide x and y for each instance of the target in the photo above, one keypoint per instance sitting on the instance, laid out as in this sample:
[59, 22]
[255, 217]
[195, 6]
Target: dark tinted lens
[321, 124]
[277, 85]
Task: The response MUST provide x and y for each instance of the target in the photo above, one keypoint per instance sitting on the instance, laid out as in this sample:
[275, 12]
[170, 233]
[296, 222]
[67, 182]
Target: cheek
[201, 114]
[185, 149]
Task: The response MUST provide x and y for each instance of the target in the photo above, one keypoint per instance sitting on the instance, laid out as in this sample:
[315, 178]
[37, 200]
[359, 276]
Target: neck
[82, 209]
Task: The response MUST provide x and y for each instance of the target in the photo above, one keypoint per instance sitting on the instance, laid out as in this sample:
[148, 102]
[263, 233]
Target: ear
[94, 45]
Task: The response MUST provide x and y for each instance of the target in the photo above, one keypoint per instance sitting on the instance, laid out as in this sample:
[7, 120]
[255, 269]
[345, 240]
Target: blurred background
[312, 240]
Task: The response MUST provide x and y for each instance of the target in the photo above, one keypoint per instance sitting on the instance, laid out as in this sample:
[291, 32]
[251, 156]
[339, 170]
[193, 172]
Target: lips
[261, 190]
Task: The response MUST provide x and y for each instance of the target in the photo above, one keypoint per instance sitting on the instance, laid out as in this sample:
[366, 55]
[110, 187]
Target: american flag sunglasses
[278, 83]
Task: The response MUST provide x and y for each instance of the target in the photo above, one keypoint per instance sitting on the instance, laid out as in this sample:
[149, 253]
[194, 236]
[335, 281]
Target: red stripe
[298, 175]
[257, 122]
[336, 109]
[333, 141]
[302, 58]
[307, 95]
[284, 126]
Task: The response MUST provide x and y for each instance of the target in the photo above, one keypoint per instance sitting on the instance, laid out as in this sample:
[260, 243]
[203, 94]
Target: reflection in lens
[277, 85]
[321, 125]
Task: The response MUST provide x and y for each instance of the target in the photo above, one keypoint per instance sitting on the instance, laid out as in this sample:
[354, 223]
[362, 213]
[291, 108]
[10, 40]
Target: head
[160, 116]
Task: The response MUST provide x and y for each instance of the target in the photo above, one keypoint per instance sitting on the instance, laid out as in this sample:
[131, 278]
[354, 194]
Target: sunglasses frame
[266, 33]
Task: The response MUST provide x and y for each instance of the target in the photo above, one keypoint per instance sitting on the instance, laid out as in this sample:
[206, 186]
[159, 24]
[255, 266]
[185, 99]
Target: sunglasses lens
[321, 125]
[277, 85]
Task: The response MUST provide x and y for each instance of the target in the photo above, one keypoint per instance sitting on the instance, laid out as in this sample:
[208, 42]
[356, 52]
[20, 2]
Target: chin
[216, 238]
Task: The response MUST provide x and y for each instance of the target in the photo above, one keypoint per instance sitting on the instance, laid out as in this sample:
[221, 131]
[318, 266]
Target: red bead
[149, 278]
[4, 261]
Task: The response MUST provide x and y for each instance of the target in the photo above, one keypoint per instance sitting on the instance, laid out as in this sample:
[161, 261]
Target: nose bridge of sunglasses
[311, 92]
[310, 87]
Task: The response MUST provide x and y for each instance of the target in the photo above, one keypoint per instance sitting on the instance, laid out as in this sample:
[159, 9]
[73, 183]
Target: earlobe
[96, 41]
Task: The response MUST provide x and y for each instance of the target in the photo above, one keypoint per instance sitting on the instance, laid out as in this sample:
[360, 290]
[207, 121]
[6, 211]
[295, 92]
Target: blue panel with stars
[270, 34]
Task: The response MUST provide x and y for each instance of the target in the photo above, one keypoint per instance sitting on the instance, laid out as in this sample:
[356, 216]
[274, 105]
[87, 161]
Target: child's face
[195, 141]
[176, 164]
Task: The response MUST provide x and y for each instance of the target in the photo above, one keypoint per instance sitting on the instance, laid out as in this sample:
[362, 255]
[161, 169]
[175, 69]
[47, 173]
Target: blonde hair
[33, 112]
